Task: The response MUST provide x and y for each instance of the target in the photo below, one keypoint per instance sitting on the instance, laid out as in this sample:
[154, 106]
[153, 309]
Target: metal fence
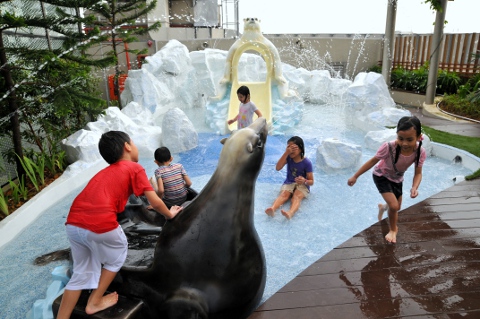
[8, 170]
[456, 52]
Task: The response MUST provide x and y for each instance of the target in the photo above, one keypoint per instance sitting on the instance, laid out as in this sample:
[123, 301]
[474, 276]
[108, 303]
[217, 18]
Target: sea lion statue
[209, 261]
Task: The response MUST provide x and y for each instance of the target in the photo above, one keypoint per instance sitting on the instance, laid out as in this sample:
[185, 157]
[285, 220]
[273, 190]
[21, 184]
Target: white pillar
[160, 13]
[435, 55]
[389, 41]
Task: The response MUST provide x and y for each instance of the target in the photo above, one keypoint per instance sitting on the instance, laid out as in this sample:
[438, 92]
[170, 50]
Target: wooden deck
[432, 272]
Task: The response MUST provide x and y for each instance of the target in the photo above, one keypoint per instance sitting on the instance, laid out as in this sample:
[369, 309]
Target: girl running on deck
[392, 160]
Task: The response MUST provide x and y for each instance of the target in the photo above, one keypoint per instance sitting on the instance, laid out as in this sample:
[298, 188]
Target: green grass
[466, 143]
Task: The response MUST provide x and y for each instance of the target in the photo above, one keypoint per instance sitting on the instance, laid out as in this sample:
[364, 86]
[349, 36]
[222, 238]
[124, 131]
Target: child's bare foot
[270, 212]
[381, 209]
[391, 237]
[286, 214]
[106, 302]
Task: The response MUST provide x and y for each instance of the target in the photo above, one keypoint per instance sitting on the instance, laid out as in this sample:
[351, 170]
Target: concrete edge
[449, 153]
[432, 110]
[13, 224]
[418, 100]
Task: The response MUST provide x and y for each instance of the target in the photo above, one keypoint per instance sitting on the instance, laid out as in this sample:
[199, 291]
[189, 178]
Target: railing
[456, 52]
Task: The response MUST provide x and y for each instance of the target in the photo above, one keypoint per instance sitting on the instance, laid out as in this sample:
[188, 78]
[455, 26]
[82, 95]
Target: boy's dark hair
[111, 145]
[404, 124]
[297, 140]
[162, 155]
[243, 90]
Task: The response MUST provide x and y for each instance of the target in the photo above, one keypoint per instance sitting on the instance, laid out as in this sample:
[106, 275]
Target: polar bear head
[251, 25]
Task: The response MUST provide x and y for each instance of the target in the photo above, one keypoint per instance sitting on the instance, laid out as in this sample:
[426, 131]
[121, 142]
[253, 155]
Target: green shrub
[420, 79]
[448, 82]
[402, 79]
[3, 203]
[410, 80]
[375, 68]
[474, 97]
[474, 83]
[56, 162]
[461, 96]
[464, 90]
[461, 106]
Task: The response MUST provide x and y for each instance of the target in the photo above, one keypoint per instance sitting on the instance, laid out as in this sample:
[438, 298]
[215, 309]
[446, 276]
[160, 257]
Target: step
[125, 308]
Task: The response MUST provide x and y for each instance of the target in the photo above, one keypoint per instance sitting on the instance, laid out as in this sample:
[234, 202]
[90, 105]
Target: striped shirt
[174, 187]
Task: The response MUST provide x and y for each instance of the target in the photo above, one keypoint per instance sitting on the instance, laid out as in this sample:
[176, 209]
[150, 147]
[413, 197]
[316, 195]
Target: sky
[356, 16]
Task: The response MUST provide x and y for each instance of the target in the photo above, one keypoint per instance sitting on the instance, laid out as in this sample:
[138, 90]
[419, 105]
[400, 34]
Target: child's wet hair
[162, 154]
[297, 140]
[111, 145]
[243, 90]
[404, 124]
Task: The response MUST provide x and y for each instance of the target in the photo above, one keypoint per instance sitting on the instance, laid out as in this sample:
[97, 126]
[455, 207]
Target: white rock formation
[334, 154]
[82, 146]
[179, 135]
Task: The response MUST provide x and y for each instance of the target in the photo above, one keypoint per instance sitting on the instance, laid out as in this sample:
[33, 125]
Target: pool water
[333, 213]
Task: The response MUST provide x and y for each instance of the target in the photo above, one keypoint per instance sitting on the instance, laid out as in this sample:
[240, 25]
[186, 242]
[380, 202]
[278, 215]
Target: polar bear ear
[223, 140]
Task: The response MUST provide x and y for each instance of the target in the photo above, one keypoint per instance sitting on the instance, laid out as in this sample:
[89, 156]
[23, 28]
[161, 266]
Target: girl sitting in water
[299, 178]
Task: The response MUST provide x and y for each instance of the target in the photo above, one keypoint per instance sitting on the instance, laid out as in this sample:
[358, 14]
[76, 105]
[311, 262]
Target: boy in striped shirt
[171, 178]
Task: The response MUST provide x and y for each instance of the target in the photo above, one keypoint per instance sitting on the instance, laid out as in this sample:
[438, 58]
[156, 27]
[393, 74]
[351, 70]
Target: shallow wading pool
[333, 213]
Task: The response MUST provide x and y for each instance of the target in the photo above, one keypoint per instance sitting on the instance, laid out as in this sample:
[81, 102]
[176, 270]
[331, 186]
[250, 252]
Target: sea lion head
[244, 150]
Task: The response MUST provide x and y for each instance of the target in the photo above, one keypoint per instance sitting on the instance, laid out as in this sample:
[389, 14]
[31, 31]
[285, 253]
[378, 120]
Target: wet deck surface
[432, 272]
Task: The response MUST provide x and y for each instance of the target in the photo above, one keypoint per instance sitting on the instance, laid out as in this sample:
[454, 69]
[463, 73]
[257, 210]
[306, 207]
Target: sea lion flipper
[186, 303]
[63, 254]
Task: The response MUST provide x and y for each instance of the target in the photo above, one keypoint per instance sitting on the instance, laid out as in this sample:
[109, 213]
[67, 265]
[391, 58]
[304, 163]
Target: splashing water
[306, 56]
[361, 43]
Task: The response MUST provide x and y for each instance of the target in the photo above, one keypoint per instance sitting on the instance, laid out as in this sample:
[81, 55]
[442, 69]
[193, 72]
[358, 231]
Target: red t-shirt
[106, 195]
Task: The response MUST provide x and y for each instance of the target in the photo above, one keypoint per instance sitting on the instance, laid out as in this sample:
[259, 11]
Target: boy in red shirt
[95, 236]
